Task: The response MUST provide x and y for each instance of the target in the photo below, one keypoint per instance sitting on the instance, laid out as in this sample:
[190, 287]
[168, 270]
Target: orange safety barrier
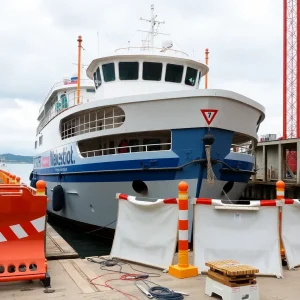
[183, 269]
[22, 233]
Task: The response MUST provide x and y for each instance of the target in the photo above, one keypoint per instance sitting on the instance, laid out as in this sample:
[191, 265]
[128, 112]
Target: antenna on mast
[153, 32]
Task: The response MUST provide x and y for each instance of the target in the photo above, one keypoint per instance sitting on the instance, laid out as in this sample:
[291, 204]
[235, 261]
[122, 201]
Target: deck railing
[116, 150]
[71, 102]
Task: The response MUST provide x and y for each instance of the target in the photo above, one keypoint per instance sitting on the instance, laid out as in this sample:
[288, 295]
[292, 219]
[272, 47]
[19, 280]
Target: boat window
[64, 101]
[199, 79]
[152, 144]
[174, 73]
[97, 78]
[35, 144]
[40, 140]
[152, 71]
[128, 70]
[90, 90]
[109, 72]
[92, 120]
[134, 142]
[190, 77]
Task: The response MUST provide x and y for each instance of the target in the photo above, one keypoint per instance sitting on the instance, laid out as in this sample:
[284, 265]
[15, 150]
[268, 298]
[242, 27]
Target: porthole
[227, 187]
[140, 187]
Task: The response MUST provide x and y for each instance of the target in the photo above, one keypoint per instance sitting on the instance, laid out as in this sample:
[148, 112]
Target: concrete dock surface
[70, 280]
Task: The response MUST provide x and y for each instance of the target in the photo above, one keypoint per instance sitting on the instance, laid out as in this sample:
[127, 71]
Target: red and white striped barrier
[246, 233]
[133, 200]
[254, 203]
[290, 228]
[146, 232]
[23, 230]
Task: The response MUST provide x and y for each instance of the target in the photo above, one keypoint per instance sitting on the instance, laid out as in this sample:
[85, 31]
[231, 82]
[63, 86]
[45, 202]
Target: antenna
[153, 32]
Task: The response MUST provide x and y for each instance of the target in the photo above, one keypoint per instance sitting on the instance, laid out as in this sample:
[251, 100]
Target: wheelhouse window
[109, 72]
[97, 78]
[174, 73]
[128, 70]
[190, 77]
[199, 79]
[152, 71]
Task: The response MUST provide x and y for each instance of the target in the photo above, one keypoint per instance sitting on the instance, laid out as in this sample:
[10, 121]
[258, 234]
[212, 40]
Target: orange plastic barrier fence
[22, 233]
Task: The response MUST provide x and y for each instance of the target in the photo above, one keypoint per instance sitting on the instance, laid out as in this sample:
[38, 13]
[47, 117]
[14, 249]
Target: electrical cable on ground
[156, 292]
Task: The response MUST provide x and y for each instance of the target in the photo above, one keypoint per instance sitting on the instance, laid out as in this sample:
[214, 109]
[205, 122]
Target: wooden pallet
[231, 282]
[231, 268]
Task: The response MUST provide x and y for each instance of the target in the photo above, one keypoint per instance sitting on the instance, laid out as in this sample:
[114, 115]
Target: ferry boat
[139, 125]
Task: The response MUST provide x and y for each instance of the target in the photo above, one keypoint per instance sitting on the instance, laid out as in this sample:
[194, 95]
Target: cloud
[18, 125]
[39, 46]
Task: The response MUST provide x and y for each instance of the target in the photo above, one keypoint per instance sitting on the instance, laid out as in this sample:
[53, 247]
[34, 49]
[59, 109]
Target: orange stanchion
[280, 185]
[183, 269]
[22, 234]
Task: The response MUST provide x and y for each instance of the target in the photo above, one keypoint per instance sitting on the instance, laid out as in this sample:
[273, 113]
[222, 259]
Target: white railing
[115, 150]
[101, 119]
[64, 83]
[149, 48]
[72, 101]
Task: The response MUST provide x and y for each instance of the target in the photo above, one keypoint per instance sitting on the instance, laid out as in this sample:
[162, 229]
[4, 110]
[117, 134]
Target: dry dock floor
[70, 280]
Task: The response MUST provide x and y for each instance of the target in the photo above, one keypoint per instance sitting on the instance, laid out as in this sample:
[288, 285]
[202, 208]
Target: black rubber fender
[33, 182]
[58, 198]
[31, 176]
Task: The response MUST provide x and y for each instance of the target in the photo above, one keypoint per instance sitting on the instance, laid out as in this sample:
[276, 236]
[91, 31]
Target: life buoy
[31, 175]
[33, 182]
[58, 198]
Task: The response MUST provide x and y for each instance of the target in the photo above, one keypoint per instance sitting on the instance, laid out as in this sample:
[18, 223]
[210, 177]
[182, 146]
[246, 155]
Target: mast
[206, 62]
[152, 31]
[79, 40]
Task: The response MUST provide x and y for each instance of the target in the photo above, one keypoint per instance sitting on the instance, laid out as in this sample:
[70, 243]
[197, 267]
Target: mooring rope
[210, 172]
[211, 177]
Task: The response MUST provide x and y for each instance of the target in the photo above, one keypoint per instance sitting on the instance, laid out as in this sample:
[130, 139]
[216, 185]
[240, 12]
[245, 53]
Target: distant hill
[16, 158]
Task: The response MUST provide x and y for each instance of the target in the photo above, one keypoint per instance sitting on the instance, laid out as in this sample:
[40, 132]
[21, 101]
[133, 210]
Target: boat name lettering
[62, 158]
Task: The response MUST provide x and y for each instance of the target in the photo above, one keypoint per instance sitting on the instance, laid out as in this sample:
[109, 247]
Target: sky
[39, 48]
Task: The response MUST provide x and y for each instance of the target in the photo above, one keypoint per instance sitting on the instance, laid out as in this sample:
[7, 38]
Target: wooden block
[219, 279]
[231, 267]
[235, 279]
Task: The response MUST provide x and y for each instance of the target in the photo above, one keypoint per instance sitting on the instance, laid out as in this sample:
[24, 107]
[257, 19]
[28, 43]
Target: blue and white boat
[140, 127]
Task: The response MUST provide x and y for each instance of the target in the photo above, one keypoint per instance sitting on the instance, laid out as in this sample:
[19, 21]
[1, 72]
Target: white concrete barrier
[146, 232]
[246, 233]
[290, 232]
